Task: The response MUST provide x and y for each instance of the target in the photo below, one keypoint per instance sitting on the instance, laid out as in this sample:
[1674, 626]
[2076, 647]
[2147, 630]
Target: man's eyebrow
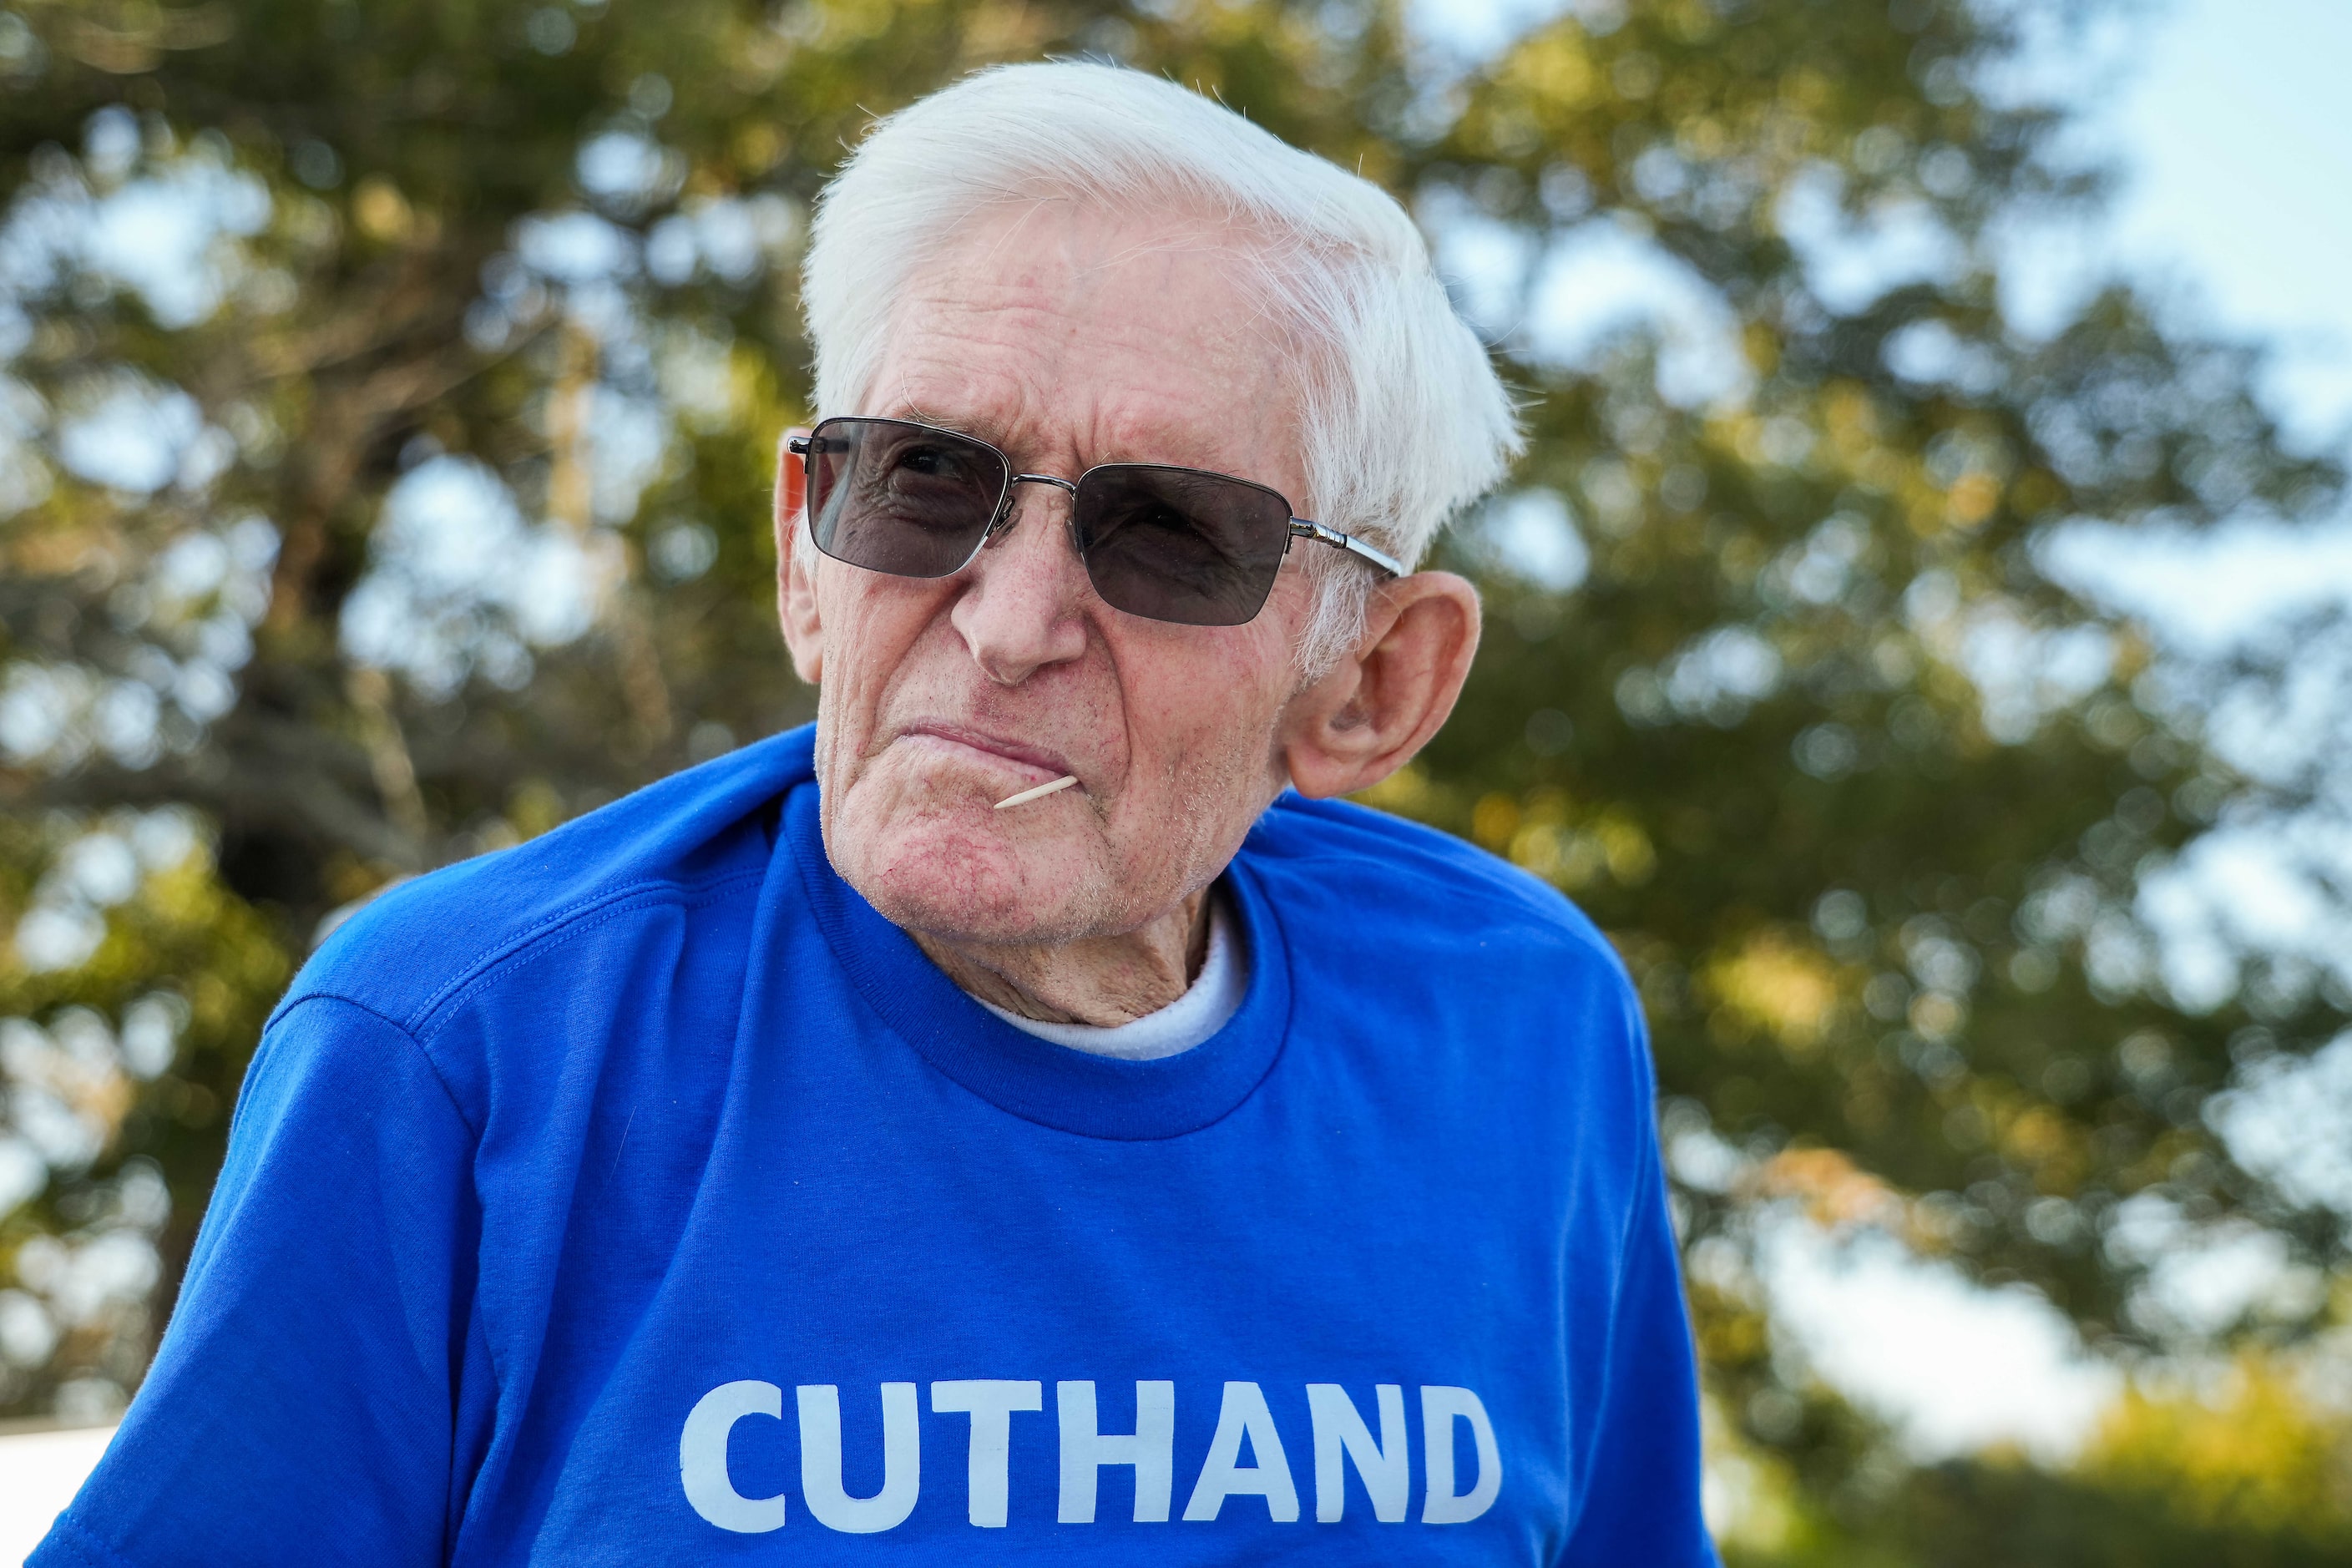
[908, 408]
[905, 407]
[1175, 449]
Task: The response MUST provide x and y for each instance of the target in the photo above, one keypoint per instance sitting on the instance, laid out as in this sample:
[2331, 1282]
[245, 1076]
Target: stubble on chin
[932, 858]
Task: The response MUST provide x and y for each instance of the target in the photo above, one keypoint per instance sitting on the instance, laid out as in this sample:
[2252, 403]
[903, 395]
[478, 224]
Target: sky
[2227, 123]
[2237, 137]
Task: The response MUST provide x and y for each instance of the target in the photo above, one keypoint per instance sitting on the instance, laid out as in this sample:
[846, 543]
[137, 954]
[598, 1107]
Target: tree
[410, 496]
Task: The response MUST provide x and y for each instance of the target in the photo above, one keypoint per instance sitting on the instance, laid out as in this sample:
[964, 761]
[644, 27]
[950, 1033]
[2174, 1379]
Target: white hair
[1405, 420]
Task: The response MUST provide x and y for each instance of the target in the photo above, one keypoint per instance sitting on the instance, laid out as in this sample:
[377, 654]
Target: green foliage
[2248, 1450]
[135, 1060]
[2246, 1471]
[1966, 1514]
[1877, 894]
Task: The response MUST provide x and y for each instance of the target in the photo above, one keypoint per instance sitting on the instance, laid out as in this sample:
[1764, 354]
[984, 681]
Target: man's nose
[1023, 606]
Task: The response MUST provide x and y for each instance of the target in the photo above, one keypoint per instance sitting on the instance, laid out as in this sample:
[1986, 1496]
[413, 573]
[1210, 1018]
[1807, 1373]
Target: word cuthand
[1341, 1438]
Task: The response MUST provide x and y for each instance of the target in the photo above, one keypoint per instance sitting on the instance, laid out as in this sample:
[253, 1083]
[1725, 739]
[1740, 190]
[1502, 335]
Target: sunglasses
[1174, 544]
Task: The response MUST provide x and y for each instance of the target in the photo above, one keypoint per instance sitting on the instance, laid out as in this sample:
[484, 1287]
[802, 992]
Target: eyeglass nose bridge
[1002, 523]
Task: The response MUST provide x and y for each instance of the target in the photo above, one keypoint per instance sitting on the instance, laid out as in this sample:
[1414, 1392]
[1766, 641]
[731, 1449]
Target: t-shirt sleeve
[299, 1409]
[1643, 1496]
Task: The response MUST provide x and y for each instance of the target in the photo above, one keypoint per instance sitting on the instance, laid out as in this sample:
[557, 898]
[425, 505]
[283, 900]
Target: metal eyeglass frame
[800, 442]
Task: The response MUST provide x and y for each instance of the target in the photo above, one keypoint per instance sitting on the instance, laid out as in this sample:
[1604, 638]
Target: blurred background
[1918, 633]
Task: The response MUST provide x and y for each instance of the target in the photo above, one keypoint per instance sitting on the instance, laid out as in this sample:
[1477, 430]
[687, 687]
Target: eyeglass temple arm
[792, 478]
[1302, 529]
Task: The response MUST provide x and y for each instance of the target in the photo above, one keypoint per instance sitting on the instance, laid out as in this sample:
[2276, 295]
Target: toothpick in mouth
[1040, 793]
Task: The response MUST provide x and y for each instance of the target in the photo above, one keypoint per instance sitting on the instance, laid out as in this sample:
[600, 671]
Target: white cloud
[1603, 281]
[458, 576]
[1956, 1368]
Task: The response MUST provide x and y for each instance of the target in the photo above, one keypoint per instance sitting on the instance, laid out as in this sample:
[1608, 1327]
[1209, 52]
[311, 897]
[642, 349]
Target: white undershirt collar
[1207, 1005]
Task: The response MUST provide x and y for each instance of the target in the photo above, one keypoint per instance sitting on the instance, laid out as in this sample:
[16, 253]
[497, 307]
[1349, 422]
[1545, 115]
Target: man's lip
[1035, 759]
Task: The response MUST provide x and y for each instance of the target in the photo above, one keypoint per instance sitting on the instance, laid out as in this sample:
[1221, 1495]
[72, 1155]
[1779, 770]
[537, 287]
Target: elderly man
[1024, 1103]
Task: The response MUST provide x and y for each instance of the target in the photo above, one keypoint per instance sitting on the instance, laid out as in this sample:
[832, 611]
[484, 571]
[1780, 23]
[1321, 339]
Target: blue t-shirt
[640, 1195]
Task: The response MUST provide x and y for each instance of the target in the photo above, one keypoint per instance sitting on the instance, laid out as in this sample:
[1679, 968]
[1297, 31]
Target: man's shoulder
[700, 836]
[1380, 867]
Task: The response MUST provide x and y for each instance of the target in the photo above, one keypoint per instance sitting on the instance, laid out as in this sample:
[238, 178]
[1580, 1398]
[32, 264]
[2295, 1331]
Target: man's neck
[1101, 981]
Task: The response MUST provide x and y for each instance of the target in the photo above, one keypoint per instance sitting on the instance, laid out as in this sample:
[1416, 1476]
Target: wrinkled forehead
[1069, 332]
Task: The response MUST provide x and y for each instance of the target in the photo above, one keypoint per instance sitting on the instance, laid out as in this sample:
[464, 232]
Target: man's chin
[965, 884]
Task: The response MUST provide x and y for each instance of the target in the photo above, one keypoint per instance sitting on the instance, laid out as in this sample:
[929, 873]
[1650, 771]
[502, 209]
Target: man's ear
[795, 570]
[1384, 701]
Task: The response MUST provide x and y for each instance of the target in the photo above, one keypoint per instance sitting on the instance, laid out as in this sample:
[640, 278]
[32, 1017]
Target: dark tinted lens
[899, 498]
[1176, 544]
